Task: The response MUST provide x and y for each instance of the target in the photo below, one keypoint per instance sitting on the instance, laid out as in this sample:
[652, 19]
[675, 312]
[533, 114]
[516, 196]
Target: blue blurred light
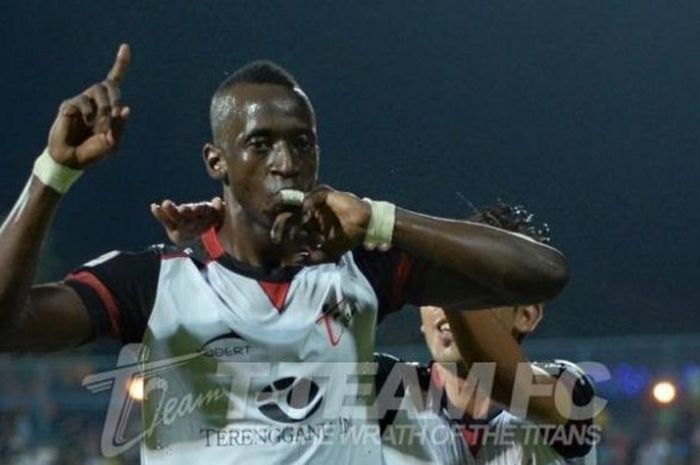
[631, 380]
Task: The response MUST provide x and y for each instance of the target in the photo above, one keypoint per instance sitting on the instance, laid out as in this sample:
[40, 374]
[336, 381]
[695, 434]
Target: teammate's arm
[51, 317]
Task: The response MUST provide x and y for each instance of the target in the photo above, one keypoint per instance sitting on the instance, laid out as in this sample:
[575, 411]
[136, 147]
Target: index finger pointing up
[121, 64]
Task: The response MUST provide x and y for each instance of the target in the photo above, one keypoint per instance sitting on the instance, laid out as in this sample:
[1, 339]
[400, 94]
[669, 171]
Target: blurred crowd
[650, 434]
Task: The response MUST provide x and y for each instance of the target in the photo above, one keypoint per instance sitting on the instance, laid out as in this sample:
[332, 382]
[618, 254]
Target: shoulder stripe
[106, 297]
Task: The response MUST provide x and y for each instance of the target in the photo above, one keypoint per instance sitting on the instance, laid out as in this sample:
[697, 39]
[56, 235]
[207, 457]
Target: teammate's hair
[255, 72]
[514, 218]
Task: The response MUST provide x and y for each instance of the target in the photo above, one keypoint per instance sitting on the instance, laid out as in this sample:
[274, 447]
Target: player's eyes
[303, 143]
[260, 144]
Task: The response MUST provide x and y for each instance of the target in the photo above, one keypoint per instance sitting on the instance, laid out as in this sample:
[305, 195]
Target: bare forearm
[481, 337]
[515, 267]
[21, 237]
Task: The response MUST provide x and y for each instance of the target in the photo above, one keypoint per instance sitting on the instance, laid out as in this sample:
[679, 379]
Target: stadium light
[664, 392]
[136, 388]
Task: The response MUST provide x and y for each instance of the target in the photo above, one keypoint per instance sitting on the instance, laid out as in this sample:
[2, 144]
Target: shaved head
[225, 103]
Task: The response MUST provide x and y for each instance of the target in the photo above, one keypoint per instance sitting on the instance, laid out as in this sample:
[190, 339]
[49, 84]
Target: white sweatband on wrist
[292, 197]
[53, 174]
[380, 229]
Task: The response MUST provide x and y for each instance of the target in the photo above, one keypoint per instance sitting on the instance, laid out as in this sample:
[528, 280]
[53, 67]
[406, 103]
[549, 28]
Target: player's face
[438, 335]
[270, 144]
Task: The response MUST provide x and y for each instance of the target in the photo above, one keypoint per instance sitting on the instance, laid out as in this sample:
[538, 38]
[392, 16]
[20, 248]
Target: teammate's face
[269, 144]
[438, 335]
[518, 321]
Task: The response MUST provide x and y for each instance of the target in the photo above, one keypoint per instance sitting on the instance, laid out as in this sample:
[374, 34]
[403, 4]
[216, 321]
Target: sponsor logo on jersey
[289, 400]
[225, 347]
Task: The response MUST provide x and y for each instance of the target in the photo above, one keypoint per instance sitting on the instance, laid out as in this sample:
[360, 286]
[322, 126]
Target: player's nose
[284, 162]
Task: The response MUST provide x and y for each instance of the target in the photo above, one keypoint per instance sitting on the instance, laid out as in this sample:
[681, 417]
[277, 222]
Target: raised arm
[463, 265]
[87, 128]
[500, 267]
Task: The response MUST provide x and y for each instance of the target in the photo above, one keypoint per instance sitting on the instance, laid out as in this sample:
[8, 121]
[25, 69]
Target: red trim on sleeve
[212, 244]
[106, 297]
[403, 271]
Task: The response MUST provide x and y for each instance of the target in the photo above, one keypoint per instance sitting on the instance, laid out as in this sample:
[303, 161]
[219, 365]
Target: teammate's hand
[89, 125]
[188, 220]
[331, 222]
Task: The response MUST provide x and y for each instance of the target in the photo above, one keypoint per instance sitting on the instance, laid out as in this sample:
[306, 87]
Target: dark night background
[586, 111]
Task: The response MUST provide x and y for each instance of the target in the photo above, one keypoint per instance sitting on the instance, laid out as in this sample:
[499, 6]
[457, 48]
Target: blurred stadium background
[587, 112]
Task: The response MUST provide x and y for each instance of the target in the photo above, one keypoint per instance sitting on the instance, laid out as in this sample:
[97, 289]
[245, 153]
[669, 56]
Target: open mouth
[444, 332]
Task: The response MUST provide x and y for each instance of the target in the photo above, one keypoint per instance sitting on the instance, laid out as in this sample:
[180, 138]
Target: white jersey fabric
[527, 446]
[259, 368]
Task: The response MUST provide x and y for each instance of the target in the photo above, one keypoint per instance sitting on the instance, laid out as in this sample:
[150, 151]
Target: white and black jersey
[425, 430]
[264, 363]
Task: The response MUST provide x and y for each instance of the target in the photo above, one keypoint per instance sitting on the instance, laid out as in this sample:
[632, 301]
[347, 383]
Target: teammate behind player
[264, 305]
[483, 418]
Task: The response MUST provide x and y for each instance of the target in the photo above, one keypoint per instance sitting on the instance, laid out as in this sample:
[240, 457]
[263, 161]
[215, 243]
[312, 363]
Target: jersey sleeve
[582, 390]
[396, 277]
[118, 290]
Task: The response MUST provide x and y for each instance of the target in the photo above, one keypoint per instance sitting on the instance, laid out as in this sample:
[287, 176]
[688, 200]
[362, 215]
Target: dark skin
[490, 335]
[51, 316]
[267, 143]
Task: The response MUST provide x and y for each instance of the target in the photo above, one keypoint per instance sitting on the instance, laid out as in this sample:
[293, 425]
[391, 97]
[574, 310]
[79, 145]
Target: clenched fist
[89, 125]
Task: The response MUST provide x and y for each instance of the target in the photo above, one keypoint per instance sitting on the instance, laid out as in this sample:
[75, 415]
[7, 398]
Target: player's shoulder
[571, 374]
[151, 252]
[406, 371]
[558, 366]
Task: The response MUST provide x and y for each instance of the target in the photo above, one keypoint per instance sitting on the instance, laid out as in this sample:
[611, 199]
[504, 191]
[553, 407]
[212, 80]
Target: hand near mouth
[327, 224]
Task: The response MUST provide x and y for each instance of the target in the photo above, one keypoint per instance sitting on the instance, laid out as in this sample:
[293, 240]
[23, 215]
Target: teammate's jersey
[243, 366]
[424, 431]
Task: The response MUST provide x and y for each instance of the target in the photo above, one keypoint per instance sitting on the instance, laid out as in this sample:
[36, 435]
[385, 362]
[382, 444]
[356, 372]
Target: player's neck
[248, 241]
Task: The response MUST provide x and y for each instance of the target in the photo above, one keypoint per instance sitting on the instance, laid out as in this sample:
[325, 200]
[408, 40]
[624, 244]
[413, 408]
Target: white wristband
[380, 229]
[53, 174]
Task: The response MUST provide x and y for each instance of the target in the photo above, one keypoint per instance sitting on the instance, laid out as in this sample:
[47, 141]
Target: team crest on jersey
[341, 312]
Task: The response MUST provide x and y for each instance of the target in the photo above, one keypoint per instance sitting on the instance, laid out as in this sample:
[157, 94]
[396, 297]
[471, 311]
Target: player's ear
[215, 163]
[527, 317]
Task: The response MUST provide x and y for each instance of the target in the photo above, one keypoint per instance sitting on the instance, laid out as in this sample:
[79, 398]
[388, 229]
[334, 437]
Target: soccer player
[262, 308]
[483, 429]
[454, 421]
